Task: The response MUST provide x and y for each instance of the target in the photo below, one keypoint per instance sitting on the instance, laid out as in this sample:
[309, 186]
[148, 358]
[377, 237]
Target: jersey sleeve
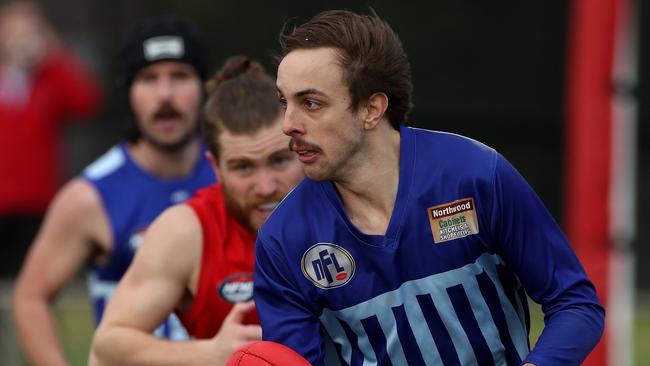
[534, 246]
[284, 313]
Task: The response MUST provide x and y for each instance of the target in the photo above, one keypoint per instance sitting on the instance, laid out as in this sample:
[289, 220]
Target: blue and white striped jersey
[447, 284]
[132, 199]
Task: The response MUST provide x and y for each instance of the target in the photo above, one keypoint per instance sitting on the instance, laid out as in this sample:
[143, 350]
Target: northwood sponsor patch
[453, 220]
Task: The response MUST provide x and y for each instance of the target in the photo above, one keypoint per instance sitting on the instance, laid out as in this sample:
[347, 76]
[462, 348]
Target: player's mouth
[307, 153]
[267, 207]
[307, 156]
[166, 115]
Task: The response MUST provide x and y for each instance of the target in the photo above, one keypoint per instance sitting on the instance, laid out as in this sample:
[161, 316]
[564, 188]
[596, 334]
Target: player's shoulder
[176, 228]
[448, 142]
[208, 203]
[107, 165]
[451, 154]
[77, 196]
[173, 242]
[177, 220]
[78, 207]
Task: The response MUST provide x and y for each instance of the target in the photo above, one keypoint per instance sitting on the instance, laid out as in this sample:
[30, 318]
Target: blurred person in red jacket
[42, 86]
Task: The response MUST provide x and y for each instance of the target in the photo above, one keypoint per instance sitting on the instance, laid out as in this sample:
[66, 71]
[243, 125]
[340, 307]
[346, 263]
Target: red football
[266, 353]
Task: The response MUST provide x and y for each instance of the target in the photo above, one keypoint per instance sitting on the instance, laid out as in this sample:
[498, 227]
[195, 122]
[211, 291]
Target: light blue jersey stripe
[422, 335]
[435, 286]
[452, 323]
[364, 345]
[514, 318]
[337, 335]
[486, 323]
[389, 327]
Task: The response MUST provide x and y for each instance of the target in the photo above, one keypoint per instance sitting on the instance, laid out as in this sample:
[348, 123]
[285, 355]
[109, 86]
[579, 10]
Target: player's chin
[258, 217]
[315, 173]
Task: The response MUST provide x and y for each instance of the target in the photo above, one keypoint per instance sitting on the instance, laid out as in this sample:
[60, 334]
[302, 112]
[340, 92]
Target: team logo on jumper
[237, 288]
[327, 265]
[453, 220]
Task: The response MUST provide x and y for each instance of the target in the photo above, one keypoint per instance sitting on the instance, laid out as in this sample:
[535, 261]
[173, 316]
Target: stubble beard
[243, 213]
[239, 212]
[170, 147]
[338, 168]
[168, 110]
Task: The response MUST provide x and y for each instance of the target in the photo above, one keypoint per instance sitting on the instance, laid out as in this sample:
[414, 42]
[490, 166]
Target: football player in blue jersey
[405, 246]
[98, 219]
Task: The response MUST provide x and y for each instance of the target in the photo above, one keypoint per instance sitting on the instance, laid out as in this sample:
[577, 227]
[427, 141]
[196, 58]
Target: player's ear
[214, 162]
[374, 110]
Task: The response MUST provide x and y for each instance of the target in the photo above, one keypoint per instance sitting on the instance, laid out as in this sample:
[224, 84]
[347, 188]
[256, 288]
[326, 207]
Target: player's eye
[145, 77]
[281, 161]
[181, 75]
[311, 104]
[243, 168]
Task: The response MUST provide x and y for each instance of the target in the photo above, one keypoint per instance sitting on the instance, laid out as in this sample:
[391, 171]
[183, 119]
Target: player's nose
[267, 183]
[290, 122]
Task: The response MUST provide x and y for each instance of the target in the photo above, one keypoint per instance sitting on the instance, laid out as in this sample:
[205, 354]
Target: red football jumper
[30, 153]
[226, 274]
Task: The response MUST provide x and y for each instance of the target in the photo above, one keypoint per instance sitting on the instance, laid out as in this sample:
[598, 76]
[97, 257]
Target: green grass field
[76, 326]
[642, 332]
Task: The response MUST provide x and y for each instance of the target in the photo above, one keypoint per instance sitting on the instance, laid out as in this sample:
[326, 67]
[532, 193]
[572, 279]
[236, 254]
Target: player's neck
[369, 192]
[163, 163]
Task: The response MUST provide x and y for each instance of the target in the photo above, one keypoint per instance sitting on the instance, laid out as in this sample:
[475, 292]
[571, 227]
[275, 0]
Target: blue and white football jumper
[447, 284]
[132, 199]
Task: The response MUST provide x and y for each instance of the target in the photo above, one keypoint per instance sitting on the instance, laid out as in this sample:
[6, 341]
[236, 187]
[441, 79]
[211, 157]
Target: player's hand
[27, 37]
[233, 333]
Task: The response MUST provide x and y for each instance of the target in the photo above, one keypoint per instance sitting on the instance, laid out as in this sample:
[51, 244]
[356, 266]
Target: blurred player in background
[98, 219]
[197, 257]
[405, 246]
[43, 85]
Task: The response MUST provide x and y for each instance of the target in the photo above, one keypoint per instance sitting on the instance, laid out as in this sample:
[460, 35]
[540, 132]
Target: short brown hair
[370, 54]
[242, 98]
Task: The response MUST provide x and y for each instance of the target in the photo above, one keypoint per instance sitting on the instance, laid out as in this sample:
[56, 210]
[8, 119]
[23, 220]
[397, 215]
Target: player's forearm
[118, 345]
[82, 94]
[37, 331]
[569, 336]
